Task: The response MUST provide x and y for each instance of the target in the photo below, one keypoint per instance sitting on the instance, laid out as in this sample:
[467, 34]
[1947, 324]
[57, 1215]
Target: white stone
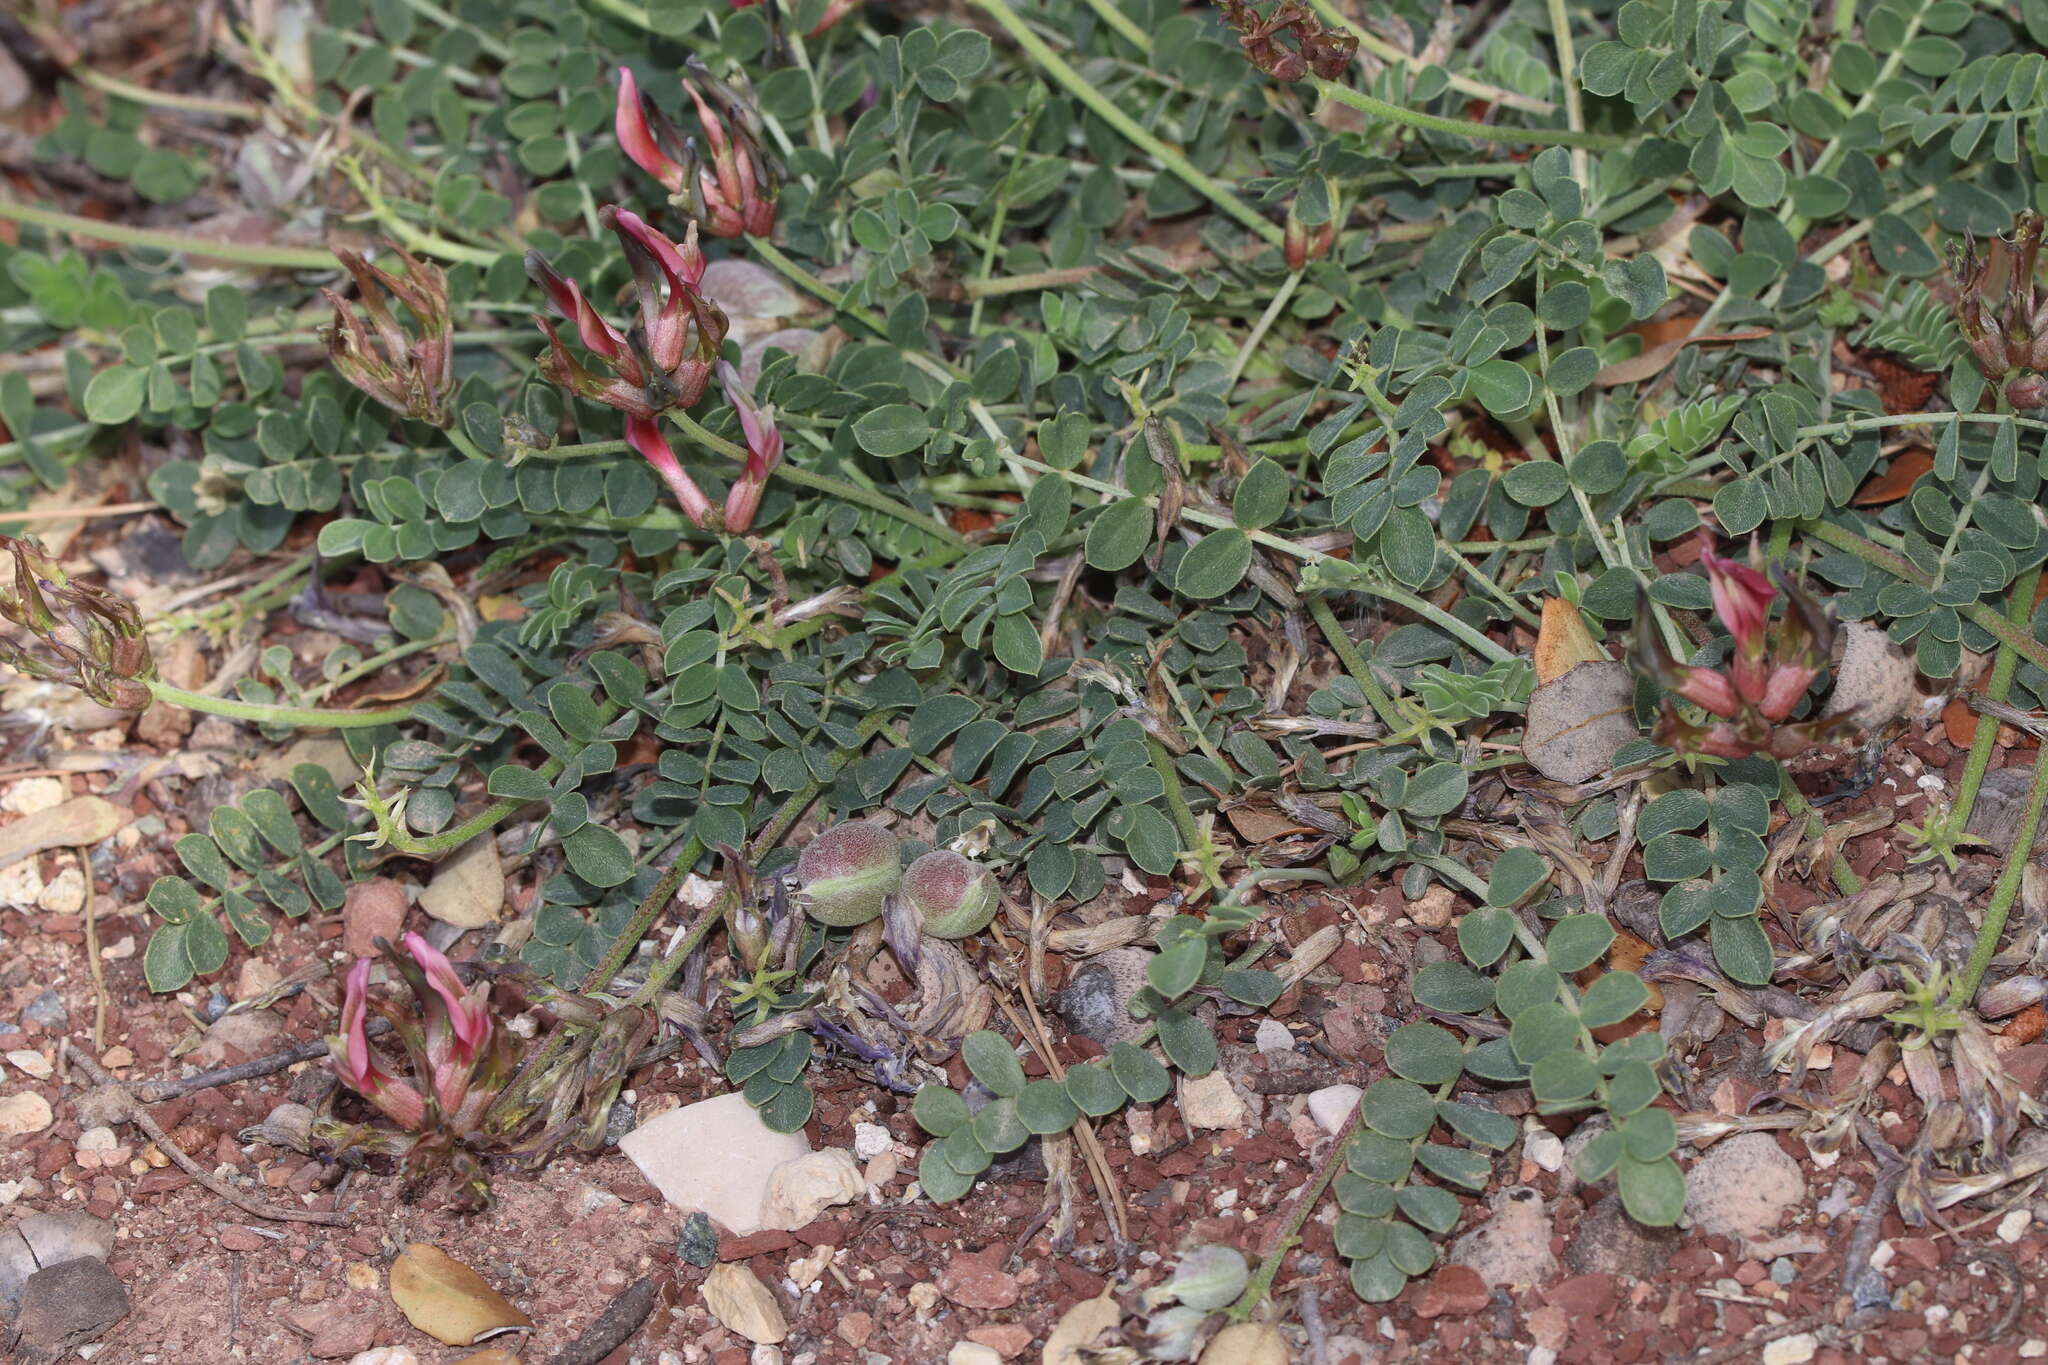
[1274, 1037]
[715, 1156]
[385, 1355]
[34, 1063]
[1512, 1247]
[2014, 1225]
[1331, 1106]
[21, 885]
[740, 1302]
[32, 795]
[973, 1353]
[1542, 1355]
[802, 1188]
[870, 1140]
[2033, 1348]
[1544, 1148]
[64, 894]
[1743, 1186]
[1210, 1102]
[1792, 1350]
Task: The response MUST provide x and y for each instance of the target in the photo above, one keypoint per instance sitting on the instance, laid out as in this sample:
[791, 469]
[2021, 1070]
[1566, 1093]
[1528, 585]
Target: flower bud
[2027, 391]
[846, 872]
[956, 897]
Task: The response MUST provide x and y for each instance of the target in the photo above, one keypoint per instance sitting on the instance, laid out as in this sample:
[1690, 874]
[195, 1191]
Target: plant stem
[1348, 655]
[1567, 65]
[1106, 109]
[2009, 880]
[1457, 127]
[237, 253]
[264, 713]
[1379, 47]
[1176, 804]
[1297, 1219]
[2019, 610]
[1899, 567]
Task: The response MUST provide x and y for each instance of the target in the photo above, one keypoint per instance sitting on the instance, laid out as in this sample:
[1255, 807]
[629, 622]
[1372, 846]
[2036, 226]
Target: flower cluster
[459, 1059]
[2017, 338]
[412, 376]
[1768, 670]
[734, 194]
[665, 361]
[1316, 49]
[76, 633]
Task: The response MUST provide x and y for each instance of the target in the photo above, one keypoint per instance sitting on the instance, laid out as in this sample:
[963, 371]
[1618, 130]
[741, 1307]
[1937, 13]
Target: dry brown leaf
[1247, 1343]
[447, 1300]
[1564, 642]
[468, 890]
[1577, 721]
[1084, 1322]
[81, 820]
[1906, 468]
[1654, 361]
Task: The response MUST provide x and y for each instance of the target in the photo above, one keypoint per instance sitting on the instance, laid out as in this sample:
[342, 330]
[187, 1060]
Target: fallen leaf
[1247, 1343]
[1564, 642]
[738, 1299]
[1084, 1322]
[1959, 723]
[1577, 721]
[447, 1300]
[1897, 480]
[468, 890]
[1654, 361]
[81, 820]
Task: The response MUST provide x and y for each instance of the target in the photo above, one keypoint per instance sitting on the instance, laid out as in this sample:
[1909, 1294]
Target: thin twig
[171, 1087]
[142, 1119]
[92, 957]
[1091, 1146]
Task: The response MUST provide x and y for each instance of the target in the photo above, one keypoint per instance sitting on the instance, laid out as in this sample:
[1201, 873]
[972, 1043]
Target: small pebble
[2033, 1348]
[32, 1062]
[1331, 1106]
[1545, 1148]
[870, 1140]
[2014, 1225]
[48, 1010]
[1792, 1350]
[1274, 1037]
[1783, 1271]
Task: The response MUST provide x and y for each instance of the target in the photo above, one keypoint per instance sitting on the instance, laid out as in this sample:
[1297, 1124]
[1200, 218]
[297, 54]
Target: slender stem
[2019, 610]
[1297, 1218]
[264, 713]
[1260, 328]
[1125, 26]
[649, 911]
[293, 258]
[1458, 127]
[1899, 567]
[2009, 880]
[1567, 65]
[1176, 804]
[1348, 655]
[1108, 111]
[162, 99]
[1371, 42]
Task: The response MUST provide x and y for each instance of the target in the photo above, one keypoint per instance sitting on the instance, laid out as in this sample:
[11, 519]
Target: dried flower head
[72, 632]
[411, 375]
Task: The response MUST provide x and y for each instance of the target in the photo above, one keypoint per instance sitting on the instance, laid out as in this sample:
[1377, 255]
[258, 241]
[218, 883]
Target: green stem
[1379, 47]
[1297, 1218]
[238, 253]
[2019, 610]
[1457, 127]
[263, 713]
[1107, 110]
[1899, 567]
[2009, 880]
[1176, 804]
[1348, 655]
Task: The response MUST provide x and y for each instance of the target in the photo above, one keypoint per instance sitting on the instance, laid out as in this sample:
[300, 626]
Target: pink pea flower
[358, 1066]
[646, 437]
[1742, 598]
[764, 452]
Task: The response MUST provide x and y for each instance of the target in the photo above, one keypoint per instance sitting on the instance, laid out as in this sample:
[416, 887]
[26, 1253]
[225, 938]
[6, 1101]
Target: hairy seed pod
[846, 872]
[956, 897]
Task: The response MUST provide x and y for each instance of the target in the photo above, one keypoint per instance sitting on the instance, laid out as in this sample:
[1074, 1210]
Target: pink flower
[1711, 689]
[645, 436]
[1783, 689]
[357, 1065]
[637, 139]
[735, 195]
[764, 452]
[1742, 598]
[467, 1014]
[664, 362]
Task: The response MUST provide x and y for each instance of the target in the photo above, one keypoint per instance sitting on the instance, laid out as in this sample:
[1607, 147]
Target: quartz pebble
[1331, 1106]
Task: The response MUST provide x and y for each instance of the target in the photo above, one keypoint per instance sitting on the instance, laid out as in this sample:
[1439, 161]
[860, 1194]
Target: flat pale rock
[1743, 1186]
[804, 1187]
[1210, 1102]
[741, 1303]
[468, 890]
[23, 1114]
[65, 1306]
[1513, 1246]
[715, 1156]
